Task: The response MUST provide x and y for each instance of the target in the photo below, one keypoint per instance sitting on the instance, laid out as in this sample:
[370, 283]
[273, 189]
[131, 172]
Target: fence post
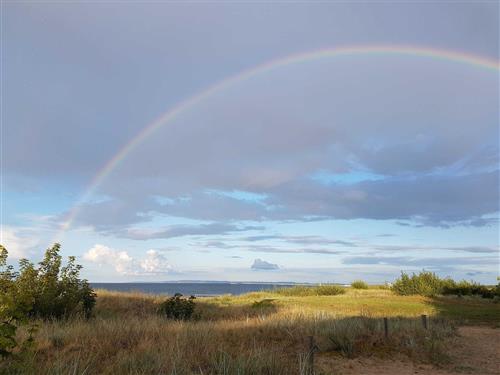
[386, 327]
[424, 321]
[310, 358]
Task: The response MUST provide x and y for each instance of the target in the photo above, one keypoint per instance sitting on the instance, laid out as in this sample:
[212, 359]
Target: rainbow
[186, 105]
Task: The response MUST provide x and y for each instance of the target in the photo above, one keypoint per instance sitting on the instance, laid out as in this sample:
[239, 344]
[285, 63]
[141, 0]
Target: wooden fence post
[424, 321]
[310, 358]
[386, 327]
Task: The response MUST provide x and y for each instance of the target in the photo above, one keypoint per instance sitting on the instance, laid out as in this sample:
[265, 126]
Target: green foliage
[177, 307]
[46, 291]
[303, 291]
[429, 284]
[359, 284]
[470, 288]
[425, 284]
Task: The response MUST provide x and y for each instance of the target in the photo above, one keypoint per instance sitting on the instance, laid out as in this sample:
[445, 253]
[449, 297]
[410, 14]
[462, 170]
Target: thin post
[310, 357]
[424, 321]
[386, 327]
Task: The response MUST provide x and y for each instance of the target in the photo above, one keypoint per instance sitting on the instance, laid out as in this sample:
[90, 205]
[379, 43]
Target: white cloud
[125, 264]
[18, 241]
[154, 263]
[259, 264]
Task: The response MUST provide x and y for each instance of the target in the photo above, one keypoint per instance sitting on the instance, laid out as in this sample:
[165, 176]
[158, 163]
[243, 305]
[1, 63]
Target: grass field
[256, 333]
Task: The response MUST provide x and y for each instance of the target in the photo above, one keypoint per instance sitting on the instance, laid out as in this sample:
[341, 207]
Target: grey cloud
[301, 240]
[185, 230]
[421, 262]
[268, 134]
[287, 250]
[260, 264]
[431, 200]
[261, 238]
[90, 45]
[317, 240]
[217, 245]
[225, 144]
[466, 249]
[423, 200]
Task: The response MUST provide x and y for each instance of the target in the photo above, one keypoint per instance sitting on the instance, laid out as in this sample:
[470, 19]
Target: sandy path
[475, 351]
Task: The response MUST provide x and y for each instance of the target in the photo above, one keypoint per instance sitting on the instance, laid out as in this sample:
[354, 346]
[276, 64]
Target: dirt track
[475, 351]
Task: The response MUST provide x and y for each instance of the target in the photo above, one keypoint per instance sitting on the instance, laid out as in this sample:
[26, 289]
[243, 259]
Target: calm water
[197, 289]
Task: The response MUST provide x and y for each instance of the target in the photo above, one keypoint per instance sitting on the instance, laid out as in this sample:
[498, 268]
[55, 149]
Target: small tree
[46, 291]
[177, 307]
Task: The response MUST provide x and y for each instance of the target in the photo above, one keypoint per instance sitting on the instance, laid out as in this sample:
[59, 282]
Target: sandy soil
[475, 351]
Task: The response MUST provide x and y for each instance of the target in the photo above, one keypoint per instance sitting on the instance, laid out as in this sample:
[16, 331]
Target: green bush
[359, 284]
[429, 284]
[469, 288]
[48, 291]
[425, 284]
[177, 307]
[329, 290]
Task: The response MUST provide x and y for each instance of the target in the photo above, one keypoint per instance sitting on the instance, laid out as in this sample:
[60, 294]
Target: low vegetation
[48, 291]
[302, 290]
[429, 284]
[257, 333]
[177, 307]
[359, 284]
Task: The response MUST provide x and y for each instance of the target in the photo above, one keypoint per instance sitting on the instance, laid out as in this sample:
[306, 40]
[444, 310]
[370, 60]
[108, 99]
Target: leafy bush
[429, 284]
[469, 288]
[302, 290]
[177, 307]
[329, 290]
[359, 284]
[46, 291]
[55, 291]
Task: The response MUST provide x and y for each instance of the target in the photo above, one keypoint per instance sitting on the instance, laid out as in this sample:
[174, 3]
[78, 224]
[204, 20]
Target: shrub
[429, 284]
[303, 291]
[329, 290]
[54, 291]
[425, 283]
[177, 307]
[46, 291]
[13, 310]
[359, 284]
[469, 288]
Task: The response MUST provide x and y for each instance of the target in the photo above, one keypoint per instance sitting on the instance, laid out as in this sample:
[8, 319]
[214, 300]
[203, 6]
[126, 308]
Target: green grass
[302, 290]
[256, 333]
[374, 302]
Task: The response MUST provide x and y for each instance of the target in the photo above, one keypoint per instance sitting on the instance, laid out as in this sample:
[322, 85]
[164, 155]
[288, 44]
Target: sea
[198, 289]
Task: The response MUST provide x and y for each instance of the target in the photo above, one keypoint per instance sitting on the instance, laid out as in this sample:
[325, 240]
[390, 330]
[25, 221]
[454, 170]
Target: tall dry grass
[126, 336]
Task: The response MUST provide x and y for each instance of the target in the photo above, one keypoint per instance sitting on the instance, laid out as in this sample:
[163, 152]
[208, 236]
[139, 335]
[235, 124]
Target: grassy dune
[235, 335]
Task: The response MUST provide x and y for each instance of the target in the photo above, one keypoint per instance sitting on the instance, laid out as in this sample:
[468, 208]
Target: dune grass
[256, 333]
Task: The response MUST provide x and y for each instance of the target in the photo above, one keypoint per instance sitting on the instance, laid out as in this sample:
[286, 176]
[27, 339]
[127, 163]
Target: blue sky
[330, 169]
